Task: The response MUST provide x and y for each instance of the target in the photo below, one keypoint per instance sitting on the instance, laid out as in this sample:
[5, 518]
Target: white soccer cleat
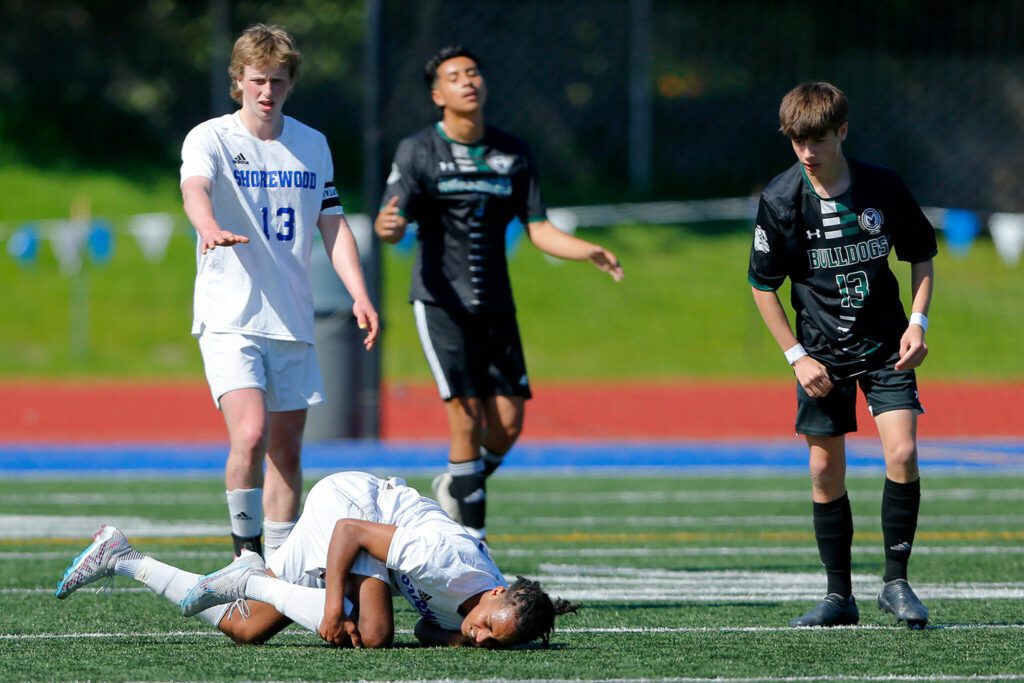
[224, 585]
[440, 486]
[96, 562]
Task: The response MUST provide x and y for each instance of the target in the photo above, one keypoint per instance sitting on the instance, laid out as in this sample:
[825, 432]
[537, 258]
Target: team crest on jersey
[871, 221]
[760, 240]
[395, 175]
[502, 163]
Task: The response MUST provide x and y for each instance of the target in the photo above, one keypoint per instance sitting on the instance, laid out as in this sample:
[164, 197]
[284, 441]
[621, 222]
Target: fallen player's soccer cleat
[834, 610]
[224, 585]
[96, 562]
[898, 599]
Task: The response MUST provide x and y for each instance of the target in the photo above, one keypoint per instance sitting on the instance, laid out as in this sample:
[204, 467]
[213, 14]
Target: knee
[825, 472]
[465, 425]
[902, 457]
[248, 442]
[242, 633]
[376, 638]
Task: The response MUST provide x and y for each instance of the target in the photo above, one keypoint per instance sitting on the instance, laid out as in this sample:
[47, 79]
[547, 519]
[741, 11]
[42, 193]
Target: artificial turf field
[681, 576]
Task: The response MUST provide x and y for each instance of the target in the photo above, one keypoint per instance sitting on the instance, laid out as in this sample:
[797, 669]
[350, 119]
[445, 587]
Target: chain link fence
[935, 88]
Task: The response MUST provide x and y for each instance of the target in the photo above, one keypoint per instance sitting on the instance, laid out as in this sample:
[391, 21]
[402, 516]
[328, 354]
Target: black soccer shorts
[836, 414]
[472, 354]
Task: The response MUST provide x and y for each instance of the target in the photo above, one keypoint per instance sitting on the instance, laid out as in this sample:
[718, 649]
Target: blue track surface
[789, 455]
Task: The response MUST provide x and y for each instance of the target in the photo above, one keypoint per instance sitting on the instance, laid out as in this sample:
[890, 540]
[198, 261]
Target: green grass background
[970, 636]
[683, 311]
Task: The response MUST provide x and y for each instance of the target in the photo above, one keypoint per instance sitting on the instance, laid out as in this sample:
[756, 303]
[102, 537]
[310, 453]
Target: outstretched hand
[606, 261]
[222, 238]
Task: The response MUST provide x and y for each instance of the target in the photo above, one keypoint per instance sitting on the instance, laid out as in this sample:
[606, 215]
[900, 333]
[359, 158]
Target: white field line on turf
[599, 584]
[603, 584]
[696, 521]
[604, 630]
[630, 497]
[573, 553]
[45, 526]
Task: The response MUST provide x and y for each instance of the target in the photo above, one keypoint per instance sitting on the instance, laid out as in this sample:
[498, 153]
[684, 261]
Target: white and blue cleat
[224, 585]
[95, 562]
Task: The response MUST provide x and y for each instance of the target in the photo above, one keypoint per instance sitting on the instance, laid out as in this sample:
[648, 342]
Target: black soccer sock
[469, 488]
[252, 543]
[833, 529]
[492, 460]
[900, 505]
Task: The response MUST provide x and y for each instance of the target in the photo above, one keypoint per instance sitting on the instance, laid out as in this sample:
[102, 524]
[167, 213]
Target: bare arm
[912, 345]
[195, 195]
[812, 375]
[344, 254]
[432, 635]
[350, 537]
[553, 241]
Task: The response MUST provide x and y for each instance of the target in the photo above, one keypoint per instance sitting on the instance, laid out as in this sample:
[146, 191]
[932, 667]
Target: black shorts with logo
[836, 414]
[472, 354]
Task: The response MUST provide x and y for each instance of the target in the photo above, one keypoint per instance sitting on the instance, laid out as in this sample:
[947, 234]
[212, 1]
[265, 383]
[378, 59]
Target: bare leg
[504, 424]
[283, 488]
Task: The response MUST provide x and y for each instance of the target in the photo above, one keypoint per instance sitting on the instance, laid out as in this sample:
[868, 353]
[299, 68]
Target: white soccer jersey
[273, 193]
[433, 562]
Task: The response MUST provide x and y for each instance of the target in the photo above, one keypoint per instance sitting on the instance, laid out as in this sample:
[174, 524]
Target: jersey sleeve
[198, 157]
[533, 208]
[769, 258]
[403, 180]
[435, 559]
[915, 239]
[330, 204]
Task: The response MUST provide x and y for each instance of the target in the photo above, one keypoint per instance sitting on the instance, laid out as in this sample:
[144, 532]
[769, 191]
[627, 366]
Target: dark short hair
[812, 109]
[442, 56]
[535, 610]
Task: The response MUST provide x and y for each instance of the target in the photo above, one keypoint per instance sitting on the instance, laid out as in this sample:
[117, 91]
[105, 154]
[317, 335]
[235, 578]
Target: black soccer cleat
[898, 599]
[834, 610]
[250, 543]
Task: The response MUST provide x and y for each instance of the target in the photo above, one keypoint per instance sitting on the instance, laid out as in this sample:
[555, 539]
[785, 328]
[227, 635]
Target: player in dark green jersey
[828, 224]
[462, 182]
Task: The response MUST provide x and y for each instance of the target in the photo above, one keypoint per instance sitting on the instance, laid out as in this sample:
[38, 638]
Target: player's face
[264, 91]
[492, 623]
[821, 156]
[459, 86]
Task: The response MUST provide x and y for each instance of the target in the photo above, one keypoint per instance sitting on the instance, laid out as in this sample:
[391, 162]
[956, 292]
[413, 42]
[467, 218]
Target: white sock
[303, 605]
[274, 535]
[245, 507]
[168, 582]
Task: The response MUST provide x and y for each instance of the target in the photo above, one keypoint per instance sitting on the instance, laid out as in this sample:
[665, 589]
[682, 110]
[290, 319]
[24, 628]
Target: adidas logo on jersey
[242, 515]
[240, 160]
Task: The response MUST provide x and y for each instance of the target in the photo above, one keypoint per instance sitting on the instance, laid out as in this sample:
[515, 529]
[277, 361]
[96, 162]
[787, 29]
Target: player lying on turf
[359, 540]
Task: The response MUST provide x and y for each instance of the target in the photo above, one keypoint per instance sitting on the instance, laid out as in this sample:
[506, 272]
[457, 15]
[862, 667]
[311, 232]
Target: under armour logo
[445, 166]
[813, 233]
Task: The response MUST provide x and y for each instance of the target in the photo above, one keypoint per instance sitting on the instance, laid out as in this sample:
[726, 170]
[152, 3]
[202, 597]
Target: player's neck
[263, 129]
[467, 129]
[832, 182]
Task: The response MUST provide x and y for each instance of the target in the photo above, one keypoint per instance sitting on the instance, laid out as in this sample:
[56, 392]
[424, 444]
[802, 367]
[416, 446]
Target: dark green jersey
[835, 253]
[463, 198]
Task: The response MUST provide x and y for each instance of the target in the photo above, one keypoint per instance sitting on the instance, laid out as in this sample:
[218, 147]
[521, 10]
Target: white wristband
[795, 353]
[919, 319]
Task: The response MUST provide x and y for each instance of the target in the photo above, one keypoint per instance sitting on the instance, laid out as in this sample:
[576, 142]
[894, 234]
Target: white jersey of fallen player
[272, 192]
[433, 562]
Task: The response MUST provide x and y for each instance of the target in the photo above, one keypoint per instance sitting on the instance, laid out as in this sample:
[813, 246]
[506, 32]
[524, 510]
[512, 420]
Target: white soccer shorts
[286, 371]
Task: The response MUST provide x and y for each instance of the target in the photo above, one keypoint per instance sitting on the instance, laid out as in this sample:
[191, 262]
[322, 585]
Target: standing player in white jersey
[359, 540]
[258, 181]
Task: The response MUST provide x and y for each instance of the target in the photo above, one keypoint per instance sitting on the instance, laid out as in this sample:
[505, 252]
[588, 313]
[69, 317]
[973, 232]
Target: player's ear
[842, 131]
[436, 96]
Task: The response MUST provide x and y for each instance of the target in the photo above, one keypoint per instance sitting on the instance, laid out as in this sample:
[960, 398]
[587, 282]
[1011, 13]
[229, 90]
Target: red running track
[61, 412]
